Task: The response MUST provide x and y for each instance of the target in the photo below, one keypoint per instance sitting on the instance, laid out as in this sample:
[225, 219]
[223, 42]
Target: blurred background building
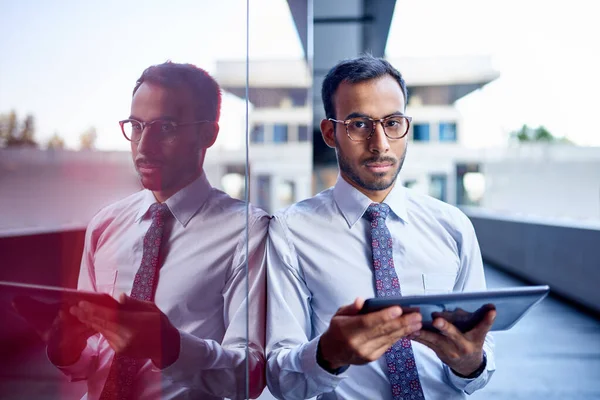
[532, 195]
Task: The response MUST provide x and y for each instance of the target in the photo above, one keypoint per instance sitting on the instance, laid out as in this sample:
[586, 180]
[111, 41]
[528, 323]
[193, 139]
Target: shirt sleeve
[220, 368]
[471, 278]
[292, 369]
[88, 360]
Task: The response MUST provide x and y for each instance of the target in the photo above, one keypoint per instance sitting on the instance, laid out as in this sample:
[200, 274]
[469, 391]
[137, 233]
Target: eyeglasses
[363, 128]
[164, 131]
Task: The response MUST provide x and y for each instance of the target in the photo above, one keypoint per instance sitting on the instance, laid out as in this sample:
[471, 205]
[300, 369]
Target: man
[369, 237]
[175, 256]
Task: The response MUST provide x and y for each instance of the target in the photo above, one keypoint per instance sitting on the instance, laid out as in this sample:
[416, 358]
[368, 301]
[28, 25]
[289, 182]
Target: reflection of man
[178, 249]
[368, 237]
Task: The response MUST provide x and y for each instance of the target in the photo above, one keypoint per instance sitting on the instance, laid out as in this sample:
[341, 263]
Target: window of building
[286, 193]
[280, 133]
[303, 133]
[263, 187]
[421, 132]
[438, 186]
[447, 132]
[409, 183]
[258, 134]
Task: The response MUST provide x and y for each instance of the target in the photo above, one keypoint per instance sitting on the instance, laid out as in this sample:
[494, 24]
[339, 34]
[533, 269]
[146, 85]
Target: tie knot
[159, 211]
[377, 210]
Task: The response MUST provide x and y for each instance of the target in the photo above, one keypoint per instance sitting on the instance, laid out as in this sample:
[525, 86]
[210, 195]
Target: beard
[380, 182]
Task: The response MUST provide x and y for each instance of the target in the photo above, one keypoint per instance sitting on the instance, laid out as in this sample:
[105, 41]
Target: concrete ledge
[558, 253]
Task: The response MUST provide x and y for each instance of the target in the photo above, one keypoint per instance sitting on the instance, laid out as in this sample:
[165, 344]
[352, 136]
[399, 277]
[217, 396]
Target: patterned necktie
[123, 369]
[402, 370]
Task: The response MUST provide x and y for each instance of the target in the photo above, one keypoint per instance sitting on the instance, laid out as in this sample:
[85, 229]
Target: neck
[376, 196]
[163, 195]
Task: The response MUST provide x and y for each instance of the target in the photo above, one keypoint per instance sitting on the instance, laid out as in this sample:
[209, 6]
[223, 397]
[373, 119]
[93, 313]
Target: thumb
[351, 309]
[484, 326]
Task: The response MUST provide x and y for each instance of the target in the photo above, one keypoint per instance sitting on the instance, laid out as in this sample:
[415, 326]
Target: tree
[56, 142]
[10, 136]
[87, 140]
[539, 134]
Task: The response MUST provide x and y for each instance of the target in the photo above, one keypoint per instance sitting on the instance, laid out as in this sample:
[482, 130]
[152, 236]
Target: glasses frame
[346, 122]
[175, 125]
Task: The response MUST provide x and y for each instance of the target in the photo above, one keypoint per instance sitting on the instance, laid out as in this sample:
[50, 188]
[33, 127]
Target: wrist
[169, 348]
[473, 373]
[325, 364]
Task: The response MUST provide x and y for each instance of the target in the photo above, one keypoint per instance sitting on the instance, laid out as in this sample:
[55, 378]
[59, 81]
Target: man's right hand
[67, 339]
[355, 339]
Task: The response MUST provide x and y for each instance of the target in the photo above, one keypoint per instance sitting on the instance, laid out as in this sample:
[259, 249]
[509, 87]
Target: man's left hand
[137, 329]
[463, 352]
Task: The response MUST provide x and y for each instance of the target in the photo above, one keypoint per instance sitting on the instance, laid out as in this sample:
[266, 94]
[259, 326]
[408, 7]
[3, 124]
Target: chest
[337, 261]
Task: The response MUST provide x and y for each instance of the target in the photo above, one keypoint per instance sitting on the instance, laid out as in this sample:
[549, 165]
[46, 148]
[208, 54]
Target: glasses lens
[132, 130]
[360, 128]
[395, 126]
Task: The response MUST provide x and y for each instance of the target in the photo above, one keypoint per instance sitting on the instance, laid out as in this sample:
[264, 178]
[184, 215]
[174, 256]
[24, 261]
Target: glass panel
[68, 75]
[420, 132]
[280, 133]
[447, 131]
[438, 186]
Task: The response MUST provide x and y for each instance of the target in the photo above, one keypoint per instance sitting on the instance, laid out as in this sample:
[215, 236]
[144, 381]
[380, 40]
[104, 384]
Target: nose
[146, 145]
[379, 142]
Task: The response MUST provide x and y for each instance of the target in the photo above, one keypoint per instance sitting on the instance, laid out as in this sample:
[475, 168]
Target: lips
[379, 166]
[145, 167]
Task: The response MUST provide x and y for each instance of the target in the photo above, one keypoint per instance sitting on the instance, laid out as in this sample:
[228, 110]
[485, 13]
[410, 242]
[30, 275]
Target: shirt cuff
[324, 380]
[79, 370]
[470, 385]
[191, 349]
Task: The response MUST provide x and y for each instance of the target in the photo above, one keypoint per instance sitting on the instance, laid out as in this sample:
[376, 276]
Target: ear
[328, 132]
[208, 134]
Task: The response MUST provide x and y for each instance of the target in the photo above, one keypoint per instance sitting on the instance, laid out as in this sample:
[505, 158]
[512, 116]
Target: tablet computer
[39, 305]
[466, 309]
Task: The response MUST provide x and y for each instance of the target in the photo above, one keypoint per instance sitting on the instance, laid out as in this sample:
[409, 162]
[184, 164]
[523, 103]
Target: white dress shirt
[319, 258]
[201, 288]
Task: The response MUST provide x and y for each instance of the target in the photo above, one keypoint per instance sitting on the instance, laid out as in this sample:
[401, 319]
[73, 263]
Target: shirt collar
[353, 203]
[184, 204]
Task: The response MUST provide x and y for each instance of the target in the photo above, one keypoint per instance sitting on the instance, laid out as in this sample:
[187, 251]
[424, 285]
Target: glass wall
[67, 75]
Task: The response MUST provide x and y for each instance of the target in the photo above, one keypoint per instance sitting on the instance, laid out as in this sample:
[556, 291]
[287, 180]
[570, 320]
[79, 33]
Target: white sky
[73, 64]
[547, 53]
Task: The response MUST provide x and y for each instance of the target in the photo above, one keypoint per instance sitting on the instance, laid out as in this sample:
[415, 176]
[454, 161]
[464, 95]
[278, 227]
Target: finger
[432, 345]
[351, 309]
[452, 333]
[436, 339]
[114, 340]
[384, 316]
[129, 303]
[389, 333]
[478, 333]
[99, 324]
[97, 311]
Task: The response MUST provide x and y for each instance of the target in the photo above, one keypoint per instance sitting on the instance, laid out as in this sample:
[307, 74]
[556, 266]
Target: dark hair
[356, 70]
[205, 90]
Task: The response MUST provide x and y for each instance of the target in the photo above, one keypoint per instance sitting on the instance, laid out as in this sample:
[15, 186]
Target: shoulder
[422, 208]
[229, 209]
[320, 206]
[113, 212]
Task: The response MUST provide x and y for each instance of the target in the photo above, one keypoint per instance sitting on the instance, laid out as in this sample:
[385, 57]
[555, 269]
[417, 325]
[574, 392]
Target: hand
[137, 329]
[354, 339]
[66, 339]
[461, 352]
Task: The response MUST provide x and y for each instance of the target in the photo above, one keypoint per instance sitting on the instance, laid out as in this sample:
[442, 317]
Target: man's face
[370, 165]
[167, 167]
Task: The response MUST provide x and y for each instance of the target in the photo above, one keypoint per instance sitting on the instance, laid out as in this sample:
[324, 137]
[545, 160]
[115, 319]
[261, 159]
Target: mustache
[380, 160]
[143, 160]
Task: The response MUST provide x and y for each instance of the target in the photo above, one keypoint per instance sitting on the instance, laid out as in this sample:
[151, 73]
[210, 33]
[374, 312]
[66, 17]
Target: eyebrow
[361, 115]
[163, 117]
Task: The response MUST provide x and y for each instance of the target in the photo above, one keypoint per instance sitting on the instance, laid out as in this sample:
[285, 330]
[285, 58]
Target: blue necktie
[119, 383]
[402, 370]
